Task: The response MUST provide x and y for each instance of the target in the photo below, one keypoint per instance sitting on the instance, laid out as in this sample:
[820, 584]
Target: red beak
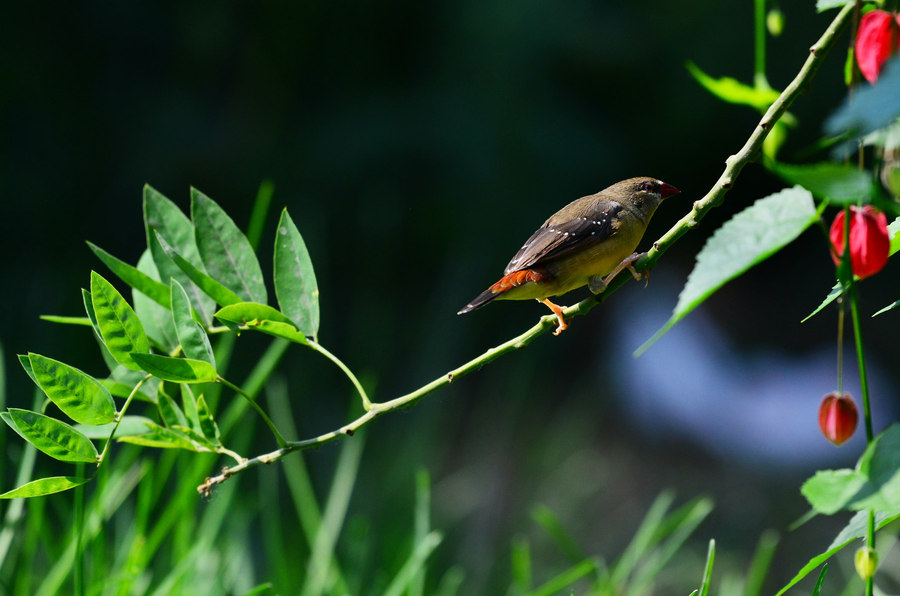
[667, 190]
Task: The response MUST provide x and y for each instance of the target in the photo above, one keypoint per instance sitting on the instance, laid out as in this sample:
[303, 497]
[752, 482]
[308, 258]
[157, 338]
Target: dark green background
[416, 146]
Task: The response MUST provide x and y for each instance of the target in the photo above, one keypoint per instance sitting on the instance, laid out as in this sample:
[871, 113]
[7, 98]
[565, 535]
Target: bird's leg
[558, 311]
[627, 263]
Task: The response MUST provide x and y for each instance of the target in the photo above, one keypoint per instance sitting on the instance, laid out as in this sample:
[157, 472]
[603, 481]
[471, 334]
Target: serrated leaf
[829, 491]
[80, 396]
[157, 320]
[748, 238]
[163, 220]
[177, 370]
[193, 339]
[134, 277]
[208, 425]
[225, 251]
[45, 486]
[212, 288]
[732, 90]
[129, 425]
[57, 439]
[119, 325]
[295, 279]
[839, 184]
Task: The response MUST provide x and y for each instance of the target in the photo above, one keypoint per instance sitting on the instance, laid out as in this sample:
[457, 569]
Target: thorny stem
[713, 198]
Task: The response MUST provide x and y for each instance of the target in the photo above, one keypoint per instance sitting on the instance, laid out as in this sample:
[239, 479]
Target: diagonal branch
[733, 166]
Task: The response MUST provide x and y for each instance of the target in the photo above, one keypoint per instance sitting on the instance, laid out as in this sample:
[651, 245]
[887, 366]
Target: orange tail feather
[506, 283]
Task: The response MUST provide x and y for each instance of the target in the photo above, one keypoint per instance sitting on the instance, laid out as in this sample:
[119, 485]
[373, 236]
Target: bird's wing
[586, 222]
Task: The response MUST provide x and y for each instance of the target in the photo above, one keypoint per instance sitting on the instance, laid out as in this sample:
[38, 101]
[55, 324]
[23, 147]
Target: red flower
[869, 240]
[837, 417]
[878, 37]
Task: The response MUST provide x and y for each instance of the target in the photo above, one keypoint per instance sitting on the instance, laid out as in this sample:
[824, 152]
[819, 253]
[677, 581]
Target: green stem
[861, 359]
[367, 404]
[733, 166]
[840, 347]
[119, 416]
[759, 44]
[259, 410]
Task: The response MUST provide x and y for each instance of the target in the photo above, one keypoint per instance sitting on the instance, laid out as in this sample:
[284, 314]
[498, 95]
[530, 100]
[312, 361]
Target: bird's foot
[558, 311]
[627, 263]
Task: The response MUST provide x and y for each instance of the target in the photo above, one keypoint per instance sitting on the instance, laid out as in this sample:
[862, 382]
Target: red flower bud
[869, 240]
[877, 38]
[838, 417]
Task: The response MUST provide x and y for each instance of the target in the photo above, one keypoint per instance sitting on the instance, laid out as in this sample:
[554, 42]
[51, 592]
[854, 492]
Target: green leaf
[164, 438]
[748, 238]
[208, 425]
[45, 486]
[169, 411]
[123, 390]
[840, 184]
[26, 364]
[157, 320]
[212, 288]
[295, 279]
[244, 313]
[164, 220]
[119, 326]
[80, 321]
[128, 426]
[81, 397]
[177, 370]
[134, 277]
[56, 439]
[225, 251]
[104, 351]
[829, 491]
[284, 330]
[193, 339]
[189, 406]
[856, 529]
[733, 91]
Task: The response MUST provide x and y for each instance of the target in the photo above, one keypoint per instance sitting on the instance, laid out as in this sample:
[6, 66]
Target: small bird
[587, 242]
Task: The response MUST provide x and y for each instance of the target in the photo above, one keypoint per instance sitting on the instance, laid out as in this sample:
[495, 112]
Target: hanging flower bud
[838, 417]
[877, 38]
[869, 240]
[866, 561]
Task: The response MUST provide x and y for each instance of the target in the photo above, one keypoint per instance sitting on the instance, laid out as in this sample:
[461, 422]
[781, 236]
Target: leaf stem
[733, 166]
[119, 415]
[861, 359]
[259, 410]
[367, 404]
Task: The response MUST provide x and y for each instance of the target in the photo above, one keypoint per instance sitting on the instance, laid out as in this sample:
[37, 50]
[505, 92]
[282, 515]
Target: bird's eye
[647, 186]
